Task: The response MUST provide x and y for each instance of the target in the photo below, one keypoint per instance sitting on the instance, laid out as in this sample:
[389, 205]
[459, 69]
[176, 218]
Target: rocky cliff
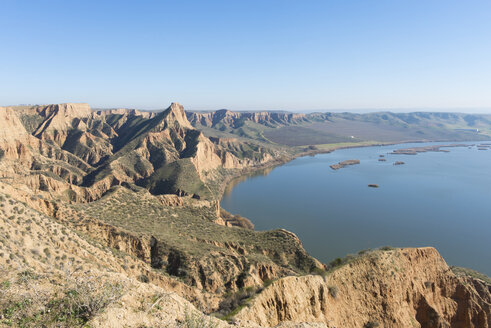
[91, 200]
[82, 153]
[397, 288]
[228, 119]
[108, 175]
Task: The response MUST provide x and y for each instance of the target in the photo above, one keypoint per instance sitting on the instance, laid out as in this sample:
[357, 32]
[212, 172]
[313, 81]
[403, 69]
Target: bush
[371, 324]
[319, 271]
[87, 298]
[236, 220]
[267, 282]
[333, 291]
[232, 301]
[143, 278]
[73, 304]
[197, 320]
[335, 263]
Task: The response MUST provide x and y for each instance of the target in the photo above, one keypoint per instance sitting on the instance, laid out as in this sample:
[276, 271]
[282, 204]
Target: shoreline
[330, 148]
[326, 151]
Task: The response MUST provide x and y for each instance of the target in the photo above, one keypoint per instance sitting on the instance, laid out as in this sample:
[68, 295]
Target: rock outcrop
[398, 288]
[229, 119]
[82, 153]
[130, 194]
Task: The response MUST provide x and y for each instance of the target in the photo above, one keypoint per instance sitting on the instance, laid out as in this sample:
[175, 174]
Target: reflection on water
[259, 173]
[439, 199]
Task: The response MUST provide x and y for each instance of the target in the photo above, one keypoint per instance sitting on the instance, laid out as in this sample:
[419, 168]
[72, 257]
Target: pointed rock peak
[176, 113]
[177, 106]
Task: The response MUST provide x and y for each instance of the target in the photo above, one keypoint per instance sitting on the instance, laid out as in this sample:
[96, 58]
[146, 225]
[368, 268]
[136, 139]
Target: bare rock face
[72, 150]
[14, 139]
[234, 120]
[11, 127]
[60, 117]
[62, 159]
[399, 288]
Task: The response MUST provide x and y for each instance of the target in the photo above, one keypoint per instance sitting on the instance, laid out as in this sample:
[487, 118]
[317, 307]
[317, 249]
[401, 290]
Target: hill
[329, 128]
[112, 218]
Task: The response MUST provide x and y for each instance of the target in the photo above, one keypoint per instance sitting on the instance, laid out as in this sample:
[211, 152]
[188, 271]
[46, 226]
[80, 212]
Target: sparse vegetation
[338, 262]
[233, 302]
[187, 243]
[74, 302]
[371, 324]
[319, 271]
[143, 278]
[197, 320]
[190, 234]
[236, 220]
[333, 291]
[459, 271]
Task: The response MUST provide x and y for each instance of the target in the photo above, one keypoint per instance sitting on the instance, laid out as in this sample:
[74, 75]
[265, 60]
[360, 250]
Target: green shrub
[267, 282]
[235, 301]
[333, 291]
[197, 320]
[335, 263]
[319, 271]
[143, 278]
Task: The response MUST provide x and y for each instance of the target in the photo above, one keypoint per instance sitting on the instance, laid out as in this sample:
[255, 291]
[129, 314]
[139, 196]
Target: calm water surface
[436, 199]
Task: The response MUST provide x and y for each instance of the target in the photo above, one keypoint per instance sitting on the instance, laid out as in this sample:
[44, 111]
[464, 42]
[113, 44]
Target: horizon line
[365, 110]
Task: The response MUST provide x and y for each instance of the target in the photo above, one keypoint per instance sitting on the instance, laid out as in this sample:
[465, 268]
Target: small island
[484, 146]
[416, 150]
[373, 185]
[382, 160]
[399, 163]
[344, 163]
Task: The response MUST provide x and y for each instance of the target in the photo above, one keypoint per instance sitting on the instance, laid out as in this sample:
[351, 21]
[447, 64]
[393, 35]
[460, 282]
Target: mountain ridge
[140, 191]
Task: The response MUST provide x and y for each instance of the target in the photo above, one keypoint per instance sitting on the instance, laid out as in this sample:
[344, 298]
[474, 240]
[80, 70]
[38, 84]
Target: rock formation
[124, 206]
[228, 119]
[398, 288]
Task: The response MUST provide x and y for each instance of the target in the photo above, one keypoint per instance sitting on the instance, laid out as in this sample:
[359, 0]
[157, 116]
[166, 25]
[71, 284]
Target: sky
[298, 55]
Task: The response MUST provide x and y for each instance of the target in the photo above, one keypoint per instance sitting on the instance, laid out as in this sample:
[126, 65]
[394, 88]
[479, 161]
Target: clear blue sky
[292, 55]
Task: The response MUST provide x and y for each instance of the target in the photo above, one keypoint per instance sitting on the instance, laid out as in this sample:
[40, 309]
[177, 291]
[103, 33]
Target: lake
[436, 199]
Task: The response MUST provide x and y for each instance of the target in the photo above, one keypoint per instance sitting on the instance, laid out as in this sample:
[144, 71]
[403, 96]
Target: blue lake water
[436, 199]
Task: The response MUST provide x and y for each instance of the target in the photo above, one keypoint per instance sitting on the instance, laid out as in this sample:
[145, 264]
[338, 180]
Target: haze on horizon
[365, 55]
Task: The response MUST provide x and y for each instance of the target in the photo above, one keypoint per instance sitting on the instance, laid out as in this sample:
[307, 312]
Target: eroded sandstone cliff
[410, 287]
[131, 197]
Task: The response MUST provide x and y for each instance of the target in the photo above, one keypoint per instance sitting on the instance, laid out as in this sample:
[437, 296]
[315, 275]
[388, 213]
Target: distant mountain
[330, 128]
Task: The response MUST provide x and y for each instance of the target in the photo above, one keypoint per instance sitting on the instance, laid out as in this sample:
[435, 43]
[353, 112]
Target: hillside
[388, 288]
[112, 218]
[329, 128]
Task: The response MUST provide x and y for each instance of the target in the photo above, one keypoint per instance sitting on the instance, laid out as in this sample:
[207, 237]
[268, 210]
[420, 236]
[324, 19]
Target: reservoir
[438, 199]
